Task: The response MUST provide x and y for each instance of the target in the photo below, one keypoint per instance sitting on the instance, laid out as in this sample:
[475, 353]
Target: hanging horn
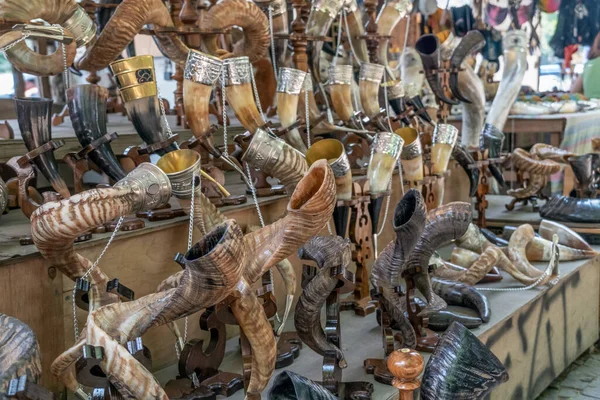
[369, 78]
[67, 13]
[390, 15]
[244, 14]
[137, 84]
[473, 41]
[34, 117]
[340, 88]
[428, 47]
[356, 31]
[388, 147]
[128, 19]
[289, 84]
[443, 141]
[280, 26]
[412, 154]
[87, 111]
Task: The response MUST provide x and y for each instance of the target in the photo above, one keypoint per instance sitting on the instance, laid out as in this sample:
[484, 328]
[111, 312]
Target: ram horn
[355, 30]
[19, 352]
[33, 116]
[465, 159]
[464, 295]
[441, 320]
[515, 56]
[548, 152]
[239, 94]
[322, 14]
[474, 273]
[428, 47]
[566, 236]
[443, 141]
[308, 211]
[535, 184]
[275, 158]
[411, 156]
[128, 19]
[369, 79]
[251, 317]
[67, 13]
[390, 15]
[291, 386]
[244, 14]
[540, 249]
[472, 42]
[329, 252]
[289, 85]
[87, 111]
[136, 79]
[444, 224]
[517, 254]
[461, 367]
[280, 26]
[55, 225]
[587, 171]
[571, 209]
[524, 162]
[200, 74]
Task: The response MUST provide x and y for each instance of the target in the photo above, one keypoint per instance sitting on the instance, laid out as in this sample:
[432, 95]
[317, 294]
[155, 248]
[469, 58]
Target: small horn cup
[182, 167]
[444, 139]
[333, 151]
[412, 154]
[387, 149]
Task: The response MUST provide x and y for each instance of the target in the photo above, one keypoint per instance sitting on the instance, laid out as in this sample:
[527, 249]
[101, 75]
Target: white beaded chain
[273, 56]
[163, 113]
[307, 115]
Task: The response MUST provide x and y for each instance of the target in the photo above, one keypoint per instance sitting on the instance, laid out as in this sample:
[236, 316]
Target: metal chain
[16, 42]
[329, 228]
[387, 107]
[520, 289]
[164, 114]
[224, 106]
[400, 175]
[273, 56]
[64, 57]
[88, 272]
[254, 197]
[349, 39]
[256, 98]
[337, 43]
[307, 112]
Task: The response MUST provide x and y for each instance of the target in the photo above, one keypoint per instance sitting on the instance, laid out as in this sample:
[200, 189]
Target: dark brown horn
[473, 41]
[428, 47]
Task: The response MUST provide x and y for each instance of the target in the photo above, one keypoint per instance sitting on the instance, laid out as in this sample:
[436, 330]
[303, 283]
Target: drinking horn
[369, 79]
[461, 367]
[464, 295]
[517, 254]
[443, 141]
[200, 74]
[571, 209]
[515, 66]
[291, 386]
[128, 19]
[280, 26]
[241, 13]
[19, 352]
[492, 139]
[566, 236]
[387, 149]
[390, 15]
[87, 110]
[408, 223]
[428, 47]
[34, 117]
[289, 84]
[275, 158]
[444, 224]
[329, 253]
[465, 159]
[355, 30]
[472, 42]
[67, 13]
[538, 171]
[137, 84]
[548, 152]
[239, 94]
[340, 89]
[55, 225]
[476, 269]
[587, 171]
[412, 155]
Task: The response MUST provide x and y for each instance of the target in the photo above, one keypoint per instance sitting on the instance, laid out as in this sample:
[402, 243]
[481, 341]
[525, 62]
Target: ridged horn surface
[87, 111]
[518, 255]
[571, 209]
[303, 388]
[56, 225]
[548, 152]
[328, 252]
[461, 367]
[428, 47]
[461, 294]
[33, 116]
[472, 274]
[525, 162]
[19, 352]
[244, 14]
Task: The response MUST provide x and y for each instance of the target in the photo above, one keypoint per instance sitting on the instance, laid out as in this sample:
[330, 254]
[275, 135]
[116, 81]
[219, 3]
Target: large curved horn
[566, 236]
[390, 15]
[356, 30]
[280, 26]
[247, 16]
[55, 225]
[460, 294]
[328, 252]
[473, 41]
[19, 352]
[428, 47]
[517, 253]
[474, 273]
[67, 13]
[548, 152]
[515, 56]
[571, 209]
[289, 84]
[127, 20]
[523, 161]
[33, 116]
[87, 111]
[302, 387]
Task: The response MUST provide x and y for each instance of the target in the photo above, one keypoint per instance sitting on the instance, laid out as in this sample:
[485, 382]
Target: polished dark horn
[571, 209]
[428, 47]
[33, 116]
[473, 41]
[464, 159]
[87, 110]
[587, 171]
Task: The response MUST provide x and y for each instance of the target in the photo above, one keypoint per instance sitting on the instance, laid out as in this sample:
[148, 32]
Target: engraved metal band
[389, 143]
[81, 27]
[278, 6]
[238, 70]
[340, 74]
[202, 68]
[290, 80]
[341, 166]
[403, 6]
[150, 184]
[264, 151]
[371, 72]
[445, 134]
[412, 150]
[331, 7]
[515, 40]
[395, 89]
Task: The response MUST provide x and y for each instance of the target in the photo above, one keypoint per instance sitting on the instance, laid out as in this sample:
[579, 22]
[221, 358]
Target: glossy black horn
[428, 46]
[473, 41]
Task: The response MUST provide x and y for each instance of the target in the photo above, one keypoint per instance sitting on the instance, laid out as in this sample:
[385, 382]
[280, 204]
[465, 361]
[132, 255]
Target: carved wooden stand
[426, 338]
[525, 200]
[22, 388]
[375, 366]
[361, 237]
[483, 188]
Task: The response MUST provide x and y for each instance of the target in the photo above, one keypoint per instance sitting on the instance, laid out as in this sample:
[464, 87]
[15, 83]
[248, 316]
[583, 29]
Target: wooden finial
[406, 365]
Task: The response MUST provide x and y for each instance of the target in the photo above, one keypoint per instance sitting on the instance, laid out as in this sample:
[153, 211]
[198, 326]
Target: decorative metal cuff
[371, 72]
[388, 143]
[340, 75]
[445, 134]
[412, 150]
[202, 68]
[238, 71]
[135, 77]
[150, 183]
[263, 151]
[81, 27]
[290, 80]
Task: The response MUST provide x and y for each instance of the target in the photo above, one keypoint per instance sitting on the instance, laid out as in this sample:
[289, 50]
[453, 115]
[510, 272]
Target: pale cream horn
[289, 85]
[340, 89]
[443, 141]
[238, 90]
[369, 79]
[412, 155]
